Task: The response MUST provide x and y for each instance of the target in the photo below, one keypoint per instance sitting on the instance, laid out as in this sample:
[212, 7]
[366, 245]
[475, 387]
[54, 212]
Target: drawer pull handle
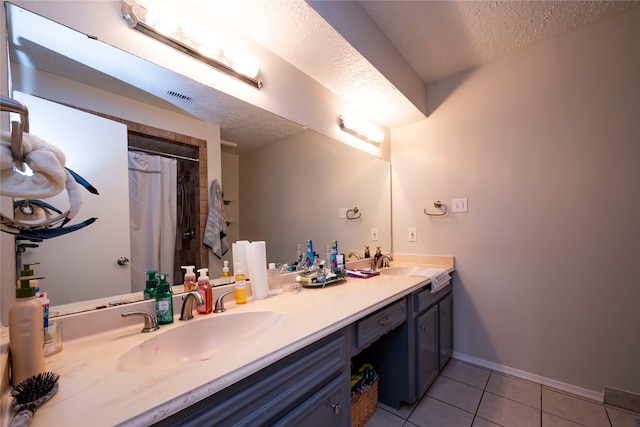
[337, 408]
[385, 321]
[424, 328]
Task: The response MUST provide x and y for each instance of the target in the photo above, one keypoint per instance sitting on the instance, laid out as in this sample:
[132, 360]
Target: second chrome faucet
[189, 302]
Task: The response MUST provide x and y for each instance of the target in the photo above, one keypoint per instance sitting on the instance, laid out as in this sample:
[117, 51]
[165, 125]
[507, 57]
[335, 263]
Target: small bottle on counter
[204, 289]
[273, 280]
[377, 256]
[150, 286]
[164, 301]
[189, 278]
[225, 276]
[241, 285]
[367, 254]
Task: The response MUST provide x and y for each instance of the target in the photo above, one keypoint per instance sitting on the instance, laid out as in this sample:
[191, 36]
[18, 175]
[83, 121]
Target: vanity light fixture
[362, 131]
[162, 22]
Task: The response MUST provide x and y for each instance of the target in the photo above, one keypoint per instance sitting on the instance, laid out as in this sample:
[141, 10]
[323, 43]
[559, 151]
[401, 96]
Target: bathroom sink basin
[406, 270]
[198, 340]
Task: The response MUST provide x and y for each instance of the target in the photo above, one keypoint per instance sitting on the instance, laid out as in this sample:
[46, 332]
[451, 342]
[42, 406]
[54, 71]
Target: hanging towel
[49, 178]
[215, 233]
[439, 277]
[45, 160]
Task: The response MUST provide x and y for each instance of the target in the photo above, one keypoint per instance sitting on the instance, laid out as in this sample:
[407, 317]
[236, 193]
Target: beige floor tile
[522, 391]
[481, 422]
[622, 418]
[433, 413]
[573, 408]
[455, 393]
[549, 420]
[507, 412]
[466, 373]
[382, 418]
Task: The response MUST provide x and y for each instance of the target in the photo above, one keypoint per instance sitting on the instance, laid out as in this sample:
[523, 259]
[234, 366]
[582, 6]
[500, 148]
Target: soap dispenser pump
[204, 289]
[26, 330]
[189, 278]
[164, 301]
[150, 285]
[226, 275]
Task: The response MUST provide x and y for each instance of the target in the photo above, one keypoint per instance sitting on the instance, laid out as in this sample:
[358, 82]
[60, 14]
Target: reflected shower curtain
[152, 212]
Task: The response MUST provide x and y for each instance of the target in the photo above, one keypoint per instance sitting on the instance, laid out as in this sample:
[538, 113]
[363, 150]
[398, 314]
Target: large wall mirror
[283, 183]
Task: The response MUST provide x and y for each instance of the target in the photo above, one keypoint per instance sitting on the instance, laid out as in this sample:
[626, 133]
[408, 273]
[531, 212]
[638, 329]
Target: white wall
[546, 145]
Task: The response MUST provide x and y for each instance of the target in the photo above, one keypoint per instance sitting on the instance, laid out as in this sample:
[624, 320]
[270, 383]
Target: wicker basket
[364, 405]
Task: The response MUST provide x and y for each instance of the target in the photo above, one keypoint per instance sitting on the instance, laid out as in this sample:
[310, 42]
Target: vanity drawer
[424, 299]
[379, 323]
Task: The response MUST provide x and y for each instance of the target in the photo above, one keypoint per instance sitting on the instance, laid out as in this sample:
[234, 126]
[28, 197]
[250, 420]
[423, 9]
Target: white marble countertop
[94, 391]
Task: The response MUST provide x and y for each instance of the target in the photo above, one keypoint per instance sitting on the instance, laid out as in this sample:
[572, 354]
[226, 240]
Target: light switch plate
[342, 212]
[413, 235]
[459, 205]
[374, 234]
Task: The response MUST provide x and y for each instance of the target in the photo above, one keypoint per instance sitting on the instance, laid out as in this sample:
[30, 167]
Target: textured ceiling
[437, 38]
[441, 38]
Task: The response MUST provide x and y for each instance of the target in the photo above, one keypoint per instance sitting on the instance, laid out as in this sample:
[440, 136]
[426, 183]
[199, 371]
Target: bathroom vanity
[296, 372]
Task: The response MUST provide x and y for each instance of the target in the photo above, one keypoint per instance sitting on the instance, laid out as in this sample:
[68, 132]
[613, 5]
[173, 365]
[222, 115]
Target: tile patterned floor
[465, 395]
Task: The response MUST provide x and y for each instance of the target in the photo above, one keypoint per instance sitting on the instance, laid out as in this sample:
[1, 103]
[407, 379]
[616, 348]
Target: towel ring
[438, 204]
[353, 213]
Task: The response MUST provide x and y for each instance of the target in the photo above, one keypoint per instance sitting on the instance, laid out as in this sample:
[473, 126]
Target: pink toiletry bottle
[204, 289]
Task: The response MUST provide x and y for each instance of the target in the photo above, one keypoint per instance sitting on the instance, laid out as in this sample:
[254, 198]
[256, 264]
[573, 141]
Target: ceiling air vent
[178, 95]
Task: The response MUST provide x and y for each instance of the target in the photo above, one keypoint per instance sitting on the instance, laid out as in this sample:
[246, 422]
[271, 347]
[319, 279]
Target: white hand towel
[439, 277]
[45, 160]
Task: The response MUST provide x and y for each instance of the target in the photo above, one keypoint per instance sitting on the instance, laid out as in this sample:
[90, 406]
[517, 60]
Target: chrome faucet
[220, 304]
[380, 262]
[189, 303]
[150, 321]
[354, 255]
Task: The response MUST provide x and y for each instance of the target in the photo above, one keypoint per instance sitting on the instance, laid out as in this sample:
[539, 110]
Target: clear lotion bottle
[26, 333]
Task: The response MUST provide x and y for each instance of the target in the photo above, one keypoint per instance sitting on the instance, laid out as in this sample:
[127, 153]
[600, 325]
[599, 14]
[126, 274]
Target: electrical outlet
[413, 235]
[374, 234]
[459, 205]
[342, 212]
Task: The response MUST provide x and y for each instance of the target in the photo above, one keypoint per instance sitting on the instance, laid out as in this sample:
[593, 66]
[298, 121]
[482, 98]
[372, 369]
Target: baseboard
[622, 399]
[558, 385]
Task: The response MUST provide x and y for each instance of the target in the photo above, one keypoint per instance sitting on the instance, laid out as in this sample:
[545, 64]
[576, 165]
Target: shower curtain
[152, 212]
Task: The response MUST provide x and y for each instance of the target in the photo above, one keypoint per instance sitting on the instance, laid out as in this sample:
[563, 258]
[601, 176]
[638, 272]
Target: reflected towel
[439, 277]
[50, 177]
[215, 233]
[45, 160]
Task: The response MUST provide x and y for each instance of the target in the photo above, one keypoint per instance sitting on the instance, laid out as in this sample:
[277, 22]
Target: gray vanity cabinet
[311, 387]
[427, 349]
[445, 328]
[434, 334]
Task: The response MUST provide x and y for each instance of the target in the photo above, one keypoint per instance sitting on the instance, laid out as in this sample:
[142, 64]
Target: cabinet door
[445, 329]
[427, 349]
[330, 406]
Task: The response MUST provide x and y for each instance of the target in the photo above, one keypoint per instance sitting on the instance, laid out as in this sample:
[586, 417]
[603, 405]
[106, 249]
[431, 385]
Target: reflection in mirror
[284, 184]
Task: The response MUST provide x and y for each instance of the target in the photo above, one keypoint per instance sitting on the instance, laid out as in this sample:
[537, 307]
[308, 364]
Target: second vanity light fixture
[362, 131]
[163, 23]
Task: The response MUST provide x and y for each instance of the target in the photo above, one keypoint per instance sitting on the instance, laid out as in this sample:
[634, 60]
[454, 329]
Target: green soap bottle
[164, 301]
[150, 288]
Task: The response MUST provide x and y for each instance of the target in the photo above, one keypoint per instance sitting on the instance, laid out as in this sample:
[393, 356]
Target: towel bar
[438, 204]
